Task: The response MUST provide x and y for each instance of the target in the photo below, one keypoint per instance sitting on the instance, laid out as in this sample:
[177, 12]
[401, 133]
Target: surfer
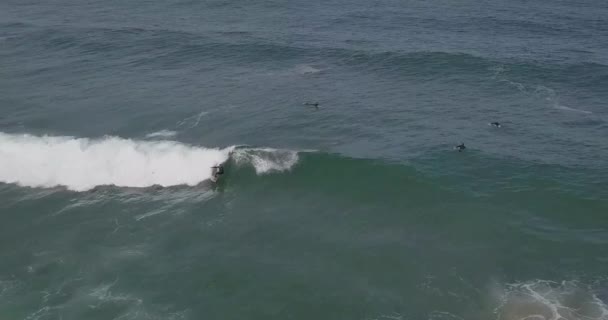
[217, 171]
[460, 147]
[495, 124]
[315, 104]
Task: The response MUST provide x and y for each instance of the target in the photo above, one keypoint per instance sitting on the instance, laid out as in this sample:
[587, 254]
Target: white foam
[103, 293]
[562, 107]
[546, 300]
[498, 70]
[265, 160]
[306, 69]
[81, 164]
[196, 119]
[6, 286]
[521, 87]
[162, 134]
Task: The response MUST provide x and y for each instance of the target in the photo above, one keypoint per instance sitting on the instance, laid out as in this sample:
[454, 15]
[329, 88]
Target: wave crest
[266, 160]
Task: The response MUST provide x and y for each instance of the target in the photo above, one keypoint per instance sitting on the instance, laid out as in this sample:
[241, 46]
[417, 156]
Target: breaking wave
[81, 164]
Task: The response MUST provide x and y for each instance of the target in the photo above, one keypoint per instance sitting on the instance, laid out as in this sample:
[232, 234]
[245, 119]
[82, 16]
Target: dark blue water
[112, 113]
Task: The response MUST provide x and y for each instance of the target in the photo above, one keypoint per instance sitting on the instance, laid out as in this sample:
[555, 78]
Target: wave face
[81, 164]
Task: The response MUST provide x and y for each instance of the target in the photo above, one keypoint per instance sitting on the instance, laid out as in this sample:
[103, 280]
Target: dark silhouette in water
[312, 104]
[495, 124]
[218, 171]
[460, 147]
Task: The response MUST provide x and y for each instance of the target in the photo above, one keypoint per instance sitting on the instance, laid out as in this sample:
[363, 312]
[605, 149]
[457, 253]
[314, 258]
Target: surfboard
[214, 177]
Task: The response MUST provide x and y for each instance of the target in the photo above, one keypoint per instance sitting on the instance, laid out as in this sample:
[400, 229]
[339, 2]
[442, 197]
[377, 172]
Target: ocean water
[113, 112]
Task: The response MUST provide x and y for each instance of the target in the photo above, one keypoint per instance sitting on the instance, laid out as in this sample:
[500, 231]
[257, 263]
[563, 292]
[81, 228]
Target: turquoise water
[111, 114]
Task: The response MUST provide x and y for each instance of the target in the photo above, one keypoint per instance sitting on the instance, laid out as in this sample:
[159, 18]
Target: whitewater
[80, 164]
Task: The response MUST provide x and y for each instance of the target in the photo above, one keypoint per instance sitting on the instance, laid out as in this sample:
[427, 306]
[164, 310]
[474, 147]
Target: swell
[444, 174]
[547, 202]
[138, 47]
[541, 201]
[82, 163]
[332, 175]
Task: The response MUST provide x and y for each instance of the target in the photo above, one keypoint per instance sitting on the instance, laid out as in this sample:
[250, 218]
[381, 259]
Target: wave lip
[80, 164]
[265, 160]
